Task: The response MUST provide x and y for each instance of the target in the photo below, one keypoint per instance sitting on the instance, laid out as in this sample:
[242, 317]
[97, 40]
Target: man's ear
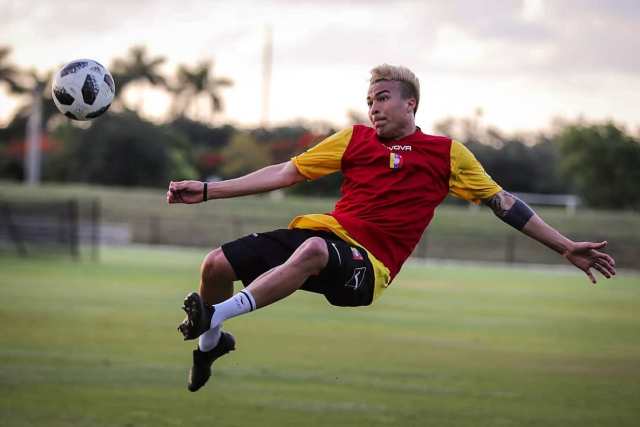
[411, 103]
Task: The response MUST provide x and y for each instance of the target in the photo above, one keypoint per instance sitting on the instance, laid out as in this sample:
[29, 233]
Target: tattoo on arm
[510, 209]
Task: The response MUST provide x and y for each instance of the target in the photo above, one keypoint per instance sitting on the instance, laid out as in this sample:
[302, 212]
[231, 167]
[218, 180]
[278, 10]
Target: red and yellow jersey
[390, 190]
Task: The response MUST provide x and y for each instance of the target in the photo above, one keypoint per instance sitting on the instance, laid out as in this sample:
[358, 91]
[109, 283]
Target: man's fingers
[178, 185]
[174, 196]
[591, 276]
[183, 191]
[598, 245]
[605, 263]
[609, 259]
[602, 270]
[609, 268]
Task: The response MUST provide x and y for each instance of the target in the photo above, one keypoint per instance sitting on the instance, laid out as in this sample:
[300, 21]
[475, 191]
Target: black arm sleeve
[518, 215]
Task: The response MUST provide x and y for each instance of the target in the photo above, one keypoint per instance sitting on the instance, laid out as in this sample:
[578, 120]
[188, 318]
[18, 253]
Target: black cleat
[202, 361]
[198, 318]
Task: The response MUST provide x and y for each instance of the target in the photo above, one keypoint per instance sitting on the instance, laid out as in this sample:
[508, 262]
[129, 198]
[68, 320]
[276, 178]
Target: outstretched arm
[265, 179]
[584, 255]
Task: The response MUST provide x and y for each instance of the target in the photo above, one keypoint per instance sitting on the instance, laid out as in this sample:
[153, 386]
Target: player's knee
[314, 253]
[216, 266]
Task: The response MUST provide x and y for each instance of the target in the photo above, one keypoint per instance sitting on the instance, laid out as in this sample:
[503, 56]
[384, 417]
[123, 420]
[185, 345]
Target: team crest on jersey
[356, 254]
[395, 161]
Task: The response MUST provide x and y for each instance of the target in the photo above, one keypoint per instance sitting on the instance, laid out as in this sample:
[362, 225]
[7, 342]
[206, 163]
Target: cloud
[495, 36]
[568, 37]
[596, 36]
[531, 37]
[475, 47]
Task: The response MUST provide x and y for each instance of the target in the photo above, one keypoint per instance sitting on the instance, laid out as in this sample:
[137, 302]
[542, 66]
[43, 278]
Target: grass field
[95, 344]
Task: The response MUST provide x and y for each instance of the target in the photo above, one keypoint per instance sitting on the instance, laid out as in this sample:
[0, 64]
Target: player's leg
[216, 278]
[279, 282]
[216, 285]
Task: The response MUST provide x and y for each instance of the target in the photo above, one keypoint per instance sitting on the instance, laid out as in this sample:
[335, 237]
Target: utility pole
[267, 60]
[34, 138]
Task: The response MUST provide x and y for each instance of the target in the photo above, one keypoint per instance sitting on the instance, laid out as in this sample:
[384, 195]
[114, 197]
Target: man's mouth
[378, 123]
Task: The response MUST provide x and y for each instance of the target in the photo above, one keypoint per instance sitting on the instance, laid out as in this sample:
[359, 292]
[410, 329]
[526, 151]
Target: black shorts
[347, 280]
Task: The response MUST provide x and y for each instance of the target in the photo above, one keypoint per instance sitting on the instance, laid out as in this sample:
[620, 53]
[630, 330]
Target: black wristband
[204, 192]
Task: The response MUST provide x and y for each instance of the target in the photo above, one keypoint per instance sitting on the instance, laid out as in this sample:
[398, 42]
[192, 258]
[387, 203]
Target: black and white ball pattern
[83, 89]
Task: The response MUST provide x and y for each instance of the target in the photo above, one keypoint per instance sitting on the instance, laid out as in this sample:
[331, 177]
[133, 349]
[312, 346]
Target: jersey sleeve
[324, 158]
[468, 179]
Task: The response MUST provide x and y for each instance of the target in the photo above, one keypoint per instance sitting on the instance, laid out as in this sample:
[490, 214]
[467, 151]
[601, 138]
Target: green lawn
[95, 344]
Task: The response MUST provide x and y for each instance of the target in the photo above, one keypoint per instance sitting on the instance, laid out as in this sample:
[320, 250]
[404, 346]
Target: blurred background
[545, 94]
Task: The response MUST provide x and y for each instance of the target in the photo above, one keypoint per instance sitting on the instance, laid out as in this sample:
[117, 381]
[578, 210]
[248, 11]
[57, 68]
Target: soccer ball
[83, 89]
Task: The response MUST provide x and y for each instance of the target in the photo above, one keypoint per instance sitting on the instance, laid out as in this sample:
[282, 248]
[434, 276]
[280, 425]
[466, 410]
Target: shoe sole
[192, 326]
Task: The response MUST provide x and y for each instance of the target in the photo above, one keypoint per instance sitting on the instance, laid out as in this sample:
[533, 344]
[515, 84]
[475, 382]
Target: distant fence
[509, 247]
[61, 226]
[72, 226]
[569, 201]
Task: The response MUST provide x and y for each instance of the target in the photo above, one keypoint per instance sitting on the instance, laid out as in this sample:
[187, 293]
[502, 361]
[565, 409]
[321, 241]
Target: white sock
[209, 339]
[240, 303]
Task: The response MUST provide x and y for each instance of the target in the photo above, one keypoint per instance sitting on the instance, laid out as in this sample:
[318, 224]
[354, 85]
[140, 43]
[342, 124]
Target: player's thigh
[252, 255]
[348, 279]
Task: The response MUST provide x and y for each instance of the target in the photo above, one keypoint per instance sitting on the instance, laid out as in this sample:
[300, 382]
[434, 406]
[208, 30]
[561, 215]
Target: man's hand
[185, 192]
[585, 256]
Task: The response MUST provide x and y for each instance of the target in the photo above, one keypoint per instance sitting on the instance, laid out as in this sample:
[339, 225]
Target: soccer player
[394, 178]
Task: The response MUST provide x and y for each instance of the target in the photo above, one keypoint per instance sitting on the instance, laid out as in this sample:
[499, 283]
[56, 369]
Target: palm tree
[33, 114]
[38, 112]
[9, 74]
[39, 90]
[196, 84]
[137, 67]
[33, 86]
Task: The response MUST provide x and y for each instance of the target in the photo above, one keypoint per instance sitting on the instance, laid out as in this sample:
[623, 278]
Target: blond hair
[410, 85]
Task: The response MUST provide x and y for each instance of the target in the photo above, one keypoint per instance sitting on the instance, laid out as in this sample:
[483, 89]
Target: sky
[523, 62]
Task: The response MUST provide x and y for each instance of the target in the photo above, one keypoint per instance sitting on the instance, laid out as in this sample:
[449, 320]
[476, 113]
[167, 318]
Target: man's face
[389, 113]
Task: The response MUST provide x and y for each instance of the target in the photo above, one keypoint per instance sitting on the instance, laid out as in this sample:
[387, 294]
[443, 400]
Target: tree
[546, 155]
[197, 84]
[243, 154]
[9, 73]
[285, 142]
[206, 142]
[203, 135]
[601, 161]
[121, 149]
[39, 87]
[27, 126]
[521, 163]
[137, 67]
